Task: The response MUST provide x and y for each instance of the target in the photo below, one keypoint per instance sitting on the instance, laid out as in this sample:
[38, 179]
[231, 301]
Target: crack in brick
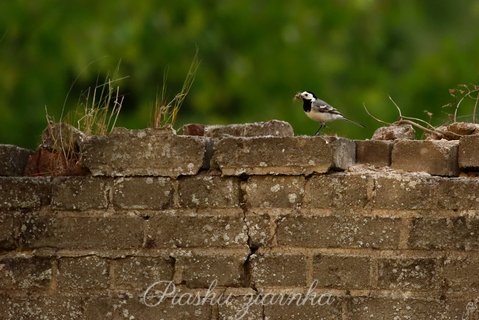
[247, 262]
[177, 276]
[274, 230]
[252, 248]
[208, 155]
[370, 192]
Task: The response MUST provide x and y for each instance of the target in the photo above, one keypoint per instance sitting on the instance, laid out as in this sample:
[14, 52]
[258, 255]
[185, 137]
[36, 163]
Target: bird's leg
[320, 127]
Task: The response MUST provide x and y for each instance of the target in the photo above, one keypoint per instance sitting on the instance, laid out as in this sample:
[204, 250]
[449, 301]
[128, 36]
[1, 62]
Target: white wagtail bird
[319, 110]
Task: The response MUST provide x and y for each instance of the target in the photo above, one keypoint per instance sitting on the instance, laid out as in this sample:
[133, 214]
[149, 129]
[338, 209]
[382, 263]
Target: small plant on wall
[96, 113]
[165, 111]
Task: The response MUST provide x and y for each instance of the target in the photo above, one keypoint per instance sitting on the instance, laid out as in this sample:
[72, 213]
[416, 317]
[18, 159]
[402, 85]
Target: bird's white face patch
[307, 96]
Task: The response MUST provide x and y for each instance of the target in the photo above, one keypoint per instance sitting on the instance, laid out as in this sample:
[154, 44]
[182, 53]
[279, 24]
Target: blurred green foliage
[255, 55]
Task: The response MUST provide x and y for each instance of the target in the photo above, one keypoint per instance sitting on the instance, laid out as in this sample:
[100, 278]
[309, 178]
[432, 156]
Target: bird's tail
[352, 121]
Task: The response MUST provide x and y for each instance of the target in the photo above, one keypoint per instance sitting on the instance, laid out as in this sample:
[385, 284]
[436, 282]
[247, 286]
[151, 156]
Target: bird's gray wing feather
[322, 106]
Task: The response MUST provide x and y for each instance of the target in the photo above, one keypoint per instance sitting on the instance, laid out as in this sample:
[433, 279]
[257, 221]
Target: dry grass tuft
[165, 112]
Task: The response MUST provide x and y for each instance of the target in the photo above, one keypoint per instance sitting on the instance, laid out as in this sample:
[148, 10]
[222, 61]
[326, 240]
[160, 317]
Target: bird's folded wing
[321, 106]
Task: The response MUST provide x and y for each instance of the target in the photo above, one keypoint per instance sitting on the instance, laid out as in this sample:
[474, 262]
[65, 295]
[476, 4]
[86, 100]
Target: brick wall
[247, 216]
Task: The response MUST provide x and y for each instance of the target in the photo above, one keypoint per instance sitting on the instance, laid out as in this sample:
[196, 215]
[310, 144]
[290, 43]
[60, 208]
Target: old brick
[457, 194]
[269, 128]
[58, 307]
[436, 157]
[421, 192]
[143, 193]
[23, 192]
[56, 231]
[469, 152]
[260, 230]
[374, 152]
[337, 190]
[339, 232]
[82, 273]
[8, 231]
[25, 273]
[384, 308]
[319, 310]
[142, 272]
[80, 193]
[282, 155]
[343, 151]
[13, 160]
[407, 273]
[205, 191]
[170, 230]
[346, 272]
[405, 192]
[281, 269]
[147, 152]
[274, 192]
[238, 308]
[199, 271]
[127, 306]
[395, 132]
[461, 274]
[444, 234]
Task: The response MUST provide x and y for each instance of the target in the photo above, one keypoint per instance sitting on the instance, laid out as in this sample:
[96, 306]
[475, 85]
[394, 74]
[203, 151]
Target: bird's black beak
[297, 96]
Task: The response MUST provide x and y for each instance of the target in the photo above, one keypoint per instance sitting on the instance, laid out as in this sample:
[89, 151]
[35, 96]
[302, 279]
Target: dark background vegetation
[255, 55]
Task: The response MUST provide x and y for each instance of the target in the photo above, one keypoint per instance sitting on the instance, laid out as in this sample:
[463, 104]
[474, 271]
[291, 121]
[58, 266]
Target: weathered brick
[143, 193]
[147, 152]
[25, 273]
[204, 191]
[176, 230]
[456, 194]
[24, 192]
[114, 232]
[343, 272]
[13, 160]
[469, 152]
[405, 192]
[269, 128]
[444, 234]
[274, 191]
[461, 274]
[260, 230]
[408, 273]
[339, 232]
[436, 157]
[80, 193]
[395, 132]
[129, 307]
[57, 307]
[374, 152]
[319, 310]
[8, 231]
[281, 269]
[238, 308]
[337, 190]
[199, 271]
[384, 308]
[343, 151]
[83, 273]
[142, 272]
[282, 155]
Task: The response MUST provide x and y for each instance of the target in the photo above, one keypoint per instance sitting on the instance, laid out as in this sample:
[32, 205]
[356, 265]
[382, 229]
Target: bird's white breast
[322, 117]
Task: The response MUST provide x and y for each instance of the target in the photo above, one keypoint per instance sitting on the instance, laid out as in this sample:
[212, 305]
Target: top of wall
[251, 149]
